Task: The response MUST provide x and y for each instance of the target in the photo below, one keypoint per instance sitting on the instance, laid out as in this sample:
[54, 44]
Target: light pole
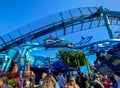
[49, 64]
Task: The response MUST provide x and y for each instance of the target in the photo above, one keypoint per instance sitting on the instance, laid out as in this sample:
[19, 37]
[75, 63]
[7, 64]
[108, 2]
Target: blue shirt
[60, 81]
[6, 86]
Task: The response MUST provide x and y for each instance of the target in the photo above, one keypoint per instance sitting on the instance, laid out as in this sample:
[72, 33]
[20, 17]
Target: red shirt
[106, 82]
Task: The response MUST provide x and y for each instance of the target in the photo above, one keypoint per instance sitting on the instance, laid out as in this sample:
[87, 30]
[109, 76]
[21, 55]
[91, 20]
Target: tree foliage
[73, 59]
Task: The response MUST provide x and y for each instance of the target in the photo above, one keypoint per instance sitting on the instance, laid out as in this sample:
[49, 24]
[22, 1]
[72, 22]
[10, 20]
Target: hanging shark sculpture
[52, 42]
[84, 40]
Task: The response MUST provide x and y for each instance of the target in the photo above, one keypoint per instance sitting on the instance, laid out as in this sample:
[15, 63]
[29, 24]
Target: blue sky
[16, 13]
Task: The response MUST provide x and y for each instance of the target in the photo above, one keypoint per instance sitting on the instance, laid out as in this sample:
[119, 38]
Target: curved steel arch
[61, 21]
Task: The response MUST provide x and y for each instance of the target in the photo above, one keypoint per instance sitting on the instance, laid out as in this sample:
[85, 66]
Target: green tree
[73, 59]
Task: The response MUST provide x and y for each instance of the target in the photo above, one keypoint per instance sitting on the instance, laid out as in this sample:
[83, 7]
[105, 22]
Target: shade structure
[59, 64]
[70, 68]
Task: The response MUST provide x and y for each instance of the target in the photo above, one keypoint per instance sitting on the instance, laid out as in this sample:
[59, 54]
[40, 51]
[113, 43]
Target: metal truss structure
[61, 24]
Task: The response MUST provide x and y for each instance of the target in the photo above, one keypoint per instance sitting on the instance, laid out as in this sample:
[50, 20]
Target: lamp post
[49, 64]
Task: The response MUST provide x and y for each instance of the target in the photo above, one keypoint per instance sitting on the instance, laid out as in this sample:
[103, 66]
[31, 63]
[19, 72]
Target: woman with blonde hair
[48, 81]
[72, 83]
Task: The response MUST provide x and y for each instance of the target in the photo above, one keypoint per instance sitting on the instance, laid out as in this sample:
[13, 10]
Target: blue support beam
[108, 12]
[109, 29]
[107, 22]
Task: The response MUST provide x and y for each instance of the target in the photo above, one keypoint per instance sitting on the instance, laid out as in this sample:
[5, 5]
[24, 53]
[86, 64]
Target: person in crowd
[49, 81]
[96, 82]
[66, 84]
[78, 79]
[44, 74]
[107, 82]
[21, 79]
[83, 80]
[15, 68]
[116, 81]
[57, 84]
[29, 78]
[3, 82]
[27, 83]
[72, 83]
[60, 79]
[114, 78]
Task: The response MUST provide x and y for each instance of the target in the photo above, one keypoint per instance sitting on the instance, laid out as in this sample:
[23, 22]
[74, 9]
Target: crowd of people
[48, 80]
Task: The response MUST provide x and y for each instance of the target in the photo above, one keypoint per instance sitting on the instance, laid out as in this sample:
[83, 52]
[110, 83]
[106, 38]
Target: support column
[107, 23]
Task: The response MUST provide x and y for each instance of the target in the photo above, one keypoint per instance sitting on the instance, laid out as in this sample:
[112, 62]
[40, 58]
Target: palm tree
[73, 59]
